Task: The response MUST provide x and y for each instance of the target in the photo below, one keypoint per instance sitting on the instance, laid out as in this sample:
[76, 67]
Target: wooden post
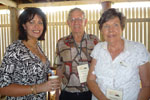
[106, 5]
[13, 23]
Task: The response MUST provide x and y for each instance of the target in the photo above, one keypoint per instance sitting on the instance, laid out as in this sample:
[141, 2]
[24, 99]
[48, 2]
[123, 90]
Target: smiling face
[34, 27]
[112, 30]
[77, 22]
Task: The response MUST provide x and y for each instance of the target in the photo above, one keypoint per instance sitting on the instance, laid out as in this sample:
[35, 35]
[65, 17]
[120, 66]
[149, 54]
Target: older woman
[25, 67]
[119, 65]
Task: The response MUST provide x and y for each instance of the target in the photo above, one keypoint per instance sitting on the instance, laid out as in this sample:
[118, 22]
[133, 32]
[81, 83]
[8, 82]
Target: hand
[104, 98]
[50, 85]
[54, 84]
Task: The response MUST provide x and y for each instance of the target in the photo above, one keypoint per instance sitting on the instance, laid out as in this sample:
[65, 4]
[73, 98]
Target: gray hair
[75, 9]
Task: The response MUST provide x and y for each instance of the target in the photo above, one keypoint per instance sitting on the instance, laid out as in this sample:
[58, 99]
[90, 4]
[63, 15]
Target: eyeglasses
[77, 19]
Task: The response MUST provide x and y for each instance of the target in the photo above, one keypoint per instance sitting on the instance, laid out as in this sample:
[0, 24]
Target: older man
[73, 58]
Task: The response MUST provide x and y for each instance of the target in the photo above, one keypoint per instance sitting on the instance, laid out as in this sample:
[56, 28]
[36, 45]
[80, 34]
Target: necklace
[35, 50]
[34, 47]
[31, 45]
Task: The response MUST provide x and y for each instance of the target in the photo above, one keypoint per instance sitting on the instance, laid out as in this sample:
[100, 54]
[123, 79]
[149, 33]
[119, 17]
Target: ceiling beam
[8, 3]
[61, 3]
[66, 3]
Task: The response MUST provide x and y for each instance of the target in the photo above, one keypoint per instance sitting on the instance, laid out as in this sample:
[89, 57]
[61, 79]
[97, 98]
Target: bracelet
[33, 89]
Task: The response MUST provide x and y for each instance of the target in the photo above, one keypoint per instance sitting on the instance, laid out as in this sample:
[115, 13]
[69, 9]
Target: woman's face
[34, 27]
[112, 30]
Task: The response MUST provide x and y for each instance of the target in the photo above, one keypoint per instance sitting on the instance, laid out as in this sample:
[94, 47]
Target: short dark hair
[26, 16]
[110, 14]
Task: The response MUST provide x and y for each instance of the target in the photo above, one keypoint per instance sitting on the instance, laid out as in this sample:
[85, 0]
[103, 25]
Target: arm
[16, 90]
[58, 63]
[144, 71]
[9, 88]
[91, 81]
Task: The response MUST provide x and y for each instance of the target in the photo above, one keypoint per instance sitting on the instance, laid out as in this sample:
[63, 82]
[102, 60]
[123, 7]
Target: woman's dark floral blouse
[21, 66]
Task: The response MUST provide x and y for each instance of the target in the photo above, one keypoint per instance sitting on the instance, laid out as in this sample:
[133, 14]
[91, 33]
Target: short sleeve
[95, 53]
[58, 59]
[7, 68]
[143, 54]
[149, 57]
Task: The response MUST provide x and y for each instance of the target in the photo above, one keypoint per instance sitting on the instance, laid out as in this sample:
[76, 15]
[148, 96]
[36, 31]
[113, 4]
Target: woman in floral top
[24, 69]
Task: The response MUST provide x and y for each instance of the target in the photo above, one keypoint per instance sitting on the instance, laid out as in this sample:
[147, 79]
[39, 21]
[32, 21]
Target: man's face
[77, 22]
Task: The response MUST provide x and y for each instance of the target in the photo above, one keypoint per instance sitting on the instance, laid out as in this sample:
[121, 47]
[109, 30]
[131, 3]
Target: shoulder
[136, 48]
[62, 39]
[134, 45]
[101, 46]
[138, 51]
[13, 51]
[15, 47]
[93, 38]
[99, 50]
[65, 42]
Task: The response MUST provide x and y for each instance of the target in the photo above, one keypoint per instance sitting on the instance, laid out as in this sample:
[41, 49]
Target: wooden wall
[137, 27]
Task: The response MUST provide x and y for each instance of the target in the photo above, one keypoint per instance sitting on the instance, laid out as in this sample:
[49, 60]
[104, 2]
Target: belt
[76, 93]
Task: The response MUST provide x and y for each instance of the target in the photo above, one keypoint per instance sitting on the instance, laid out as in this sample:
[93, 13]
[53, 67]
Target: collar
[69, 39]
[126, 46]
[125, 53]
